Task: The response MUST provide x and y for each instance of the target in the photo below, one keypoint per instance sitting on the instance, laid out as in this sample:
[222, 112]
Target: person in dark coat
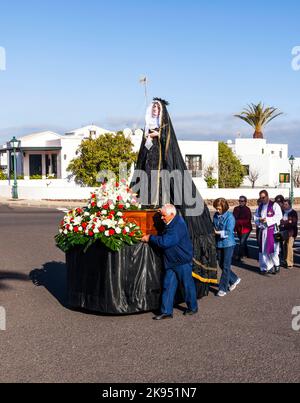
[178, 261]
[289, 225]
[243, 227]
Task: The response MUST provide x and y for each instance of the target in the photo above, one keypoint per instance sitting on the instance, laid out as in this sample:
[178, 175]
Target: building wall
[268, 160]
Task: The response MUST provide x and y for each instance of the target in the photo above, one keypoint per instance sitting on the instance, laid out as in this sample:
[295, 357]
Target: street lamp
[292, 161]
[15, 144]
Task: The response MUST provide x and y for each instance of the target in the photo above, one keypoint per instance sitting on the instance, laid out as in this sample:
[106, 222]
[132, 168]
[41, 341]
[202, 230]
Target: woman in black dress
[159, 156]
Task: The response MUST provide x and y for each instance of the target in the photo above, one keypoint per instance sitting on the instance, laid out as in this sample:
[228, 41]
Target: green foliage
[36, 177]
[258, 116]
[211, 182]
[231, 170]
[2, 175]
[104, 153]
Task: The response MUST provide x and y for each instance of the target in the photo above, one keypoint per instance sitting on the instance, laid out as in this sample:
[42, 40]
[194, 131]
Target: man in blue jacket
[178, 260]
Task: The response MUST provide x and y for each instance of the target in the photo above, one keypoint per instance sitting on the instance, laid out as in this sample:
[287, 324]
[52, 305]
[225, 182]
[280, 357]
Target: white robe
[266, 261]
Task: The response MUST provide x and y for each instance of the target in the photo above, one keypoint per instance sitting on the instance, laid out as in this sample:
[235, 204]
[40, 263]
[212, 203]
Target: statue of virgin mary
[162, 177]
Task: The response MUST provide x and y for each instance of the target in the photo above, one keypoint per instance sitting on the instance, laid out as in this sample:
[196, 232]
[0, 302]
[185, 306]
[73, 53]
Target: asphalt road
[246, 337]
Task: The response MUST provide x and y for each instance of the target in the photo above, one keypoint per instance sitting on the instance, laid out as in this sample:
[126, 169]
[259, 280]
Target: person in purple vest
[267, 219]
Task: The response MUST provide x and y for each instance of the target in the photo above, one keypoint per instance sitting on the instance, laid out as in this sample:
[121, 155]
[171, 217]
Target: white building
[47, 154]
[269, 162]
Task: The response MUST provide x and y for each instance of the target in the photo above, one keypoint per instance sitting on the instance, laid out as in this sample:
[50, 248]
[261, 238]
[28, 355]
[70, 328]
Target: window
[280, 154]
[263, 151]
[194, 165]
[284, 178]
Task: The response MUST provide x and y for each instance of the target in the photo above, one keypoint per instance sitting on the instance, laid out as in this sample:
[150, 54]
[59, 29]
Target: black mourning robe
[165, 155]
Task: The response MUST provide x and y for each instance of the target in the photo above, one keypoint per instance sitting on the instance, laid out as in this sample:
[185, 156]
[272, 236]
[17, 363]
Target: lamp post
[15, 144]
[292, 160]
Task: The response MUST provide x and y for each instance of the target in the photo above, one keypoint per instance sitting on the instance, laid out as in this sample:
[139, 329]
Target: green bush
[211, 182]
[3, 177]
[36, 177]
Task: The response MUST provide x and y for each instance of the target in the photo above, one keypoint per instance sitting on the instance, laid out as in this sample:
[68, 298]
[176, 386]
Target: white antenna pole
[144, 82]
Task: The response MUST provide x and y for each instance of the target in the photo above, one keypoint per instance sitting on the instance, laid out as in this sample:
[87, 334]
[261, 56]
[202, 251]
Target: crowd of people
[276, 231]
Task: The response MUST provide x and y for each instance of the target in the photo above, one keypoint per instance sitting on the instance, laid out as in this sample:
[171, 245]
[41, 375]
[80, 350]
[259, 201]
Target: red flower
[101, 229]
[111, 232]
[94, 204]
[112, 213]
[91, 233]
[117, 184]
[121, 206]
[106, 207]
[119, 198]
[124, 232]
[131, 234]
[76, 229]
[99, 214]
[84, 225]
[93, 196]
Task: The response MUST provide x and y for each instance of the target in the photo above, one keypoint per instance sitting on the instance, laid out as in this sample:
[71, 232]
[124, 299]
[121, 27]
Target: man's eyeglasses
[242, 201]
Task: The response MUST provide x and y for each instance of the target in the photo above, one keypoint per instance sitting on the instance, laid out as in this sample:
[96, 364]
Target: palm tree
[258, 117]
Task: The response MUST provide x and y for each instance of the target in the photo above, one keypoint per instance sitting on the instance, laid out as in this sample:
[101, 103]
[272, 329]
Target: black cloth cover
[125, 282]
[166, 155]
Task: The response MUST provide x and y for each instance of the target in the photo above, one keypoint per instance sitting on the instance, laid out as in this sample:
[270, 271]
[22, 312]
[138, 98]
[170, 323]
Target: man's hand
[146, 239]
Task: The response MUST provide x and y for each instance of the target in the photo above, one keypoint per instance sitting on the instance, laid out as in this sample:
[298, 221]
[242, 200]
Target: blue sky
[78, 62]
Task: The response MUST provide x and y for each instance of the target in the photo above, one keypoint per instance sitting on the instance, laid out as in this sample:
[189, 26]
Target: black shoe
[189, 312]
[163, 316]
[277, 269]
[263, 273]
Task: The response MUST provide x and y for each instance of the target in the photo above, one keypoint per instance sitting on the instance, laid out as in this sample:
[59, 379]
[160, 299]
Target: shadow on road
[53, 276]
[9, 276]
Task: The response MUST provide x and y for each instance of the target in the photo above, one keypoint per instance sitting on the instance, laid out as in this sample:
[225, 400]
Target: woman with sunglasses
[243, 227]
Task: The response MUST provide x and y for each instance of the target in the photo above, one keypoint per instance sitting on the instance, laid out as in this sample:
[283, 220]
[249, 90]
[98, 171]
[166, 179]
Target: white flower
[61, 231]
[65, 232]
[127, 229]
[119, 214]
[127, 205]
[106, 233]
[86, 214]
[104, 212]
[80, 229]
[96, 231]
[118, 231]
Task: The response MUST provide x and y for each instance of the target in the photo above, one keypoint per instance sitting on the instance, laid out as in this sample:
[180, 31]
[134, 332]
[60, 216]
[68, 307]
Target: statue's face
[156, 110]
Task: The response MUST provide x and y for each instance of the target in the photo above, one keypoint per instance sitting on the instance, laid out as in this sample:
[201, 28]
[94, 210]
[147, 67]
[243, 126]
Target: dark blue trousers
[225, 261]
[174, 277]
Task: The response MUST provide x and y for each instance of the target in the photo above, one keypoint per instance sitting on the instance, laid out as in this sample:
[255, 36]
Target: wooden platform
[148, 220]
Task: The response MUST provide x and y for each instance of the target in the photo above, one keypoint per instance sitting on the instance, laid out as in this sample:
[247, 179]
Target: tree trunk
[258, 135]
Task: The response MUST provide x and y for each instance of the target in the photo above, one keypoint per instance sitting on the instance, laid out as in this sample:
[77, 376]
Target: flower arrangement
[102, 220]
